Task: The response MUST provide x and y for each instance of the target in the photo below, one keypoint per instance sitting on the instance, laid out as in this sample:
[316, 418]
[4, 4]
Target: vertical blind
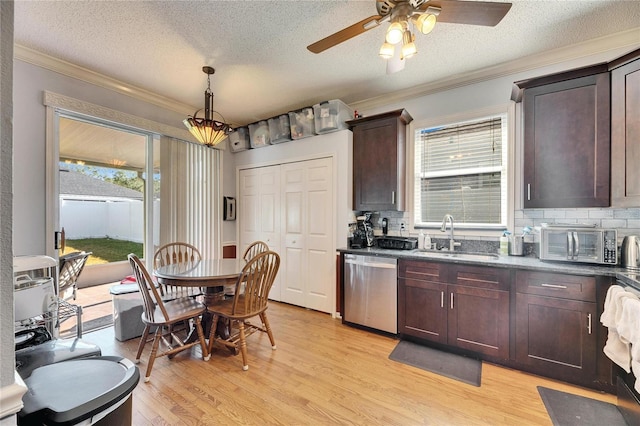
[461, 170]
[189, 195]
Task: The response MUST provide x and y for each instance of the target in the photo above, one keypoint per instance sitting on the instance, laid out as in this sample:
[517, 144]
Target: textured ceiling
[258, 48]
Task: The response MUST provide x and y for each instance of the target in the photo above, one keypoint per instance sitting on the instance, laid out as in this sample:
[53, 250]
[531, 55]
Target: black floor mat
[467, 370]
[566, 409]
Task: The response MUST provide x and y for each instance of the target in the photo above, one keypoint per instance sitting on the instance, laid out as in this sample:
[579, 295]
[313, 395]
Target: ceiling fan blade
[469, 12]
[345, 34]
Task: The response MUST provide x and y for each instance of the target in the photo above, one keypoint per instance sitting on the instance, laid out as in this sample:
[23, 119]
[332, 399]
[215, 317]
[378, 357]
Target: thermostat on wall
[229, 208]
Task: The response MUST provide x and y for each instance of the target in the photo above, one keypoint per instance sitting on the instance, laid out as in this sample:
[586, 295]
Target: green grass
[105, 250]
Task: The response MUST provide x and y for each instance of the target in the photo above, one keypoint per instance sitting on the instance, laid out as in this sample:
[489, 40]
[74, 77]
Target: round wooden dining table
[210, 274]
[207, 273]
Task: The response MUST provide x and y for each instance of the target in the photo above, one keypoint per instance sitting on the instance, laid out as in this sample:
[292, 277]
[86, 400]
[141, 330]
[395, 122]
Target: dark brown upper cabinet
[379, 161]
[625, 130]
[567, 138]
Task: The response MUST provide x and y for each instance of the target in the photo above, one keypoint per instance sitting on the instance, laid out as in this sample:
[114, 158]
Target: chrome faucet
[448, 218]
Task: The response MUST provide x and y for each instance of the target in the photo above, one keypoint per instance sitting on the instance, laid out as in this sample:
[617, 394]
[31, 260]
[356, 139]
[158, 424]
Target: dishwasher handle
[371, 261]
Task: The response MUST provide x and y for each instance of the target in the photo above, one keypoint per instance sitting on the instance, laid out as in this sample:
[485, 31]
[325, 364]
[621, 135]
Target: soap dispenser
[504, 243]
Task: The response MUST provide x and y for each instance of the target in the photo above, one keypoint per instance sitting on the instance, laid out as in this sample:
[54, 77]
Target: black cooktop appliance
[397, 243]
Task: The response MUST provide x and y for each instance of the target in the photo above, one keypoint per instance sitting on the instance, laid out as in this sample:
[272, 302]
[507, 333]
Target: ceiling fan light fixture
[387, 50]
[206, 130]
[425, 23]
[408, 46]
[394, 33]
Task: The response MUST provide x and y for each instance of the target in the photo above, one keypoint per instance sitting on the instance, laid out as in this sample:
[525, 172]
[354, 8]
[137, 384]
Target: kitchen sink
[457, 254]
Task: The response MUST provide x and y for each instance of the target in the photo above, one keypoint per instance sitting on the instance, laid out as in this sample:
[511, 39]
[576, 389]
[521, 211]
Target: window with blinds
[461, 170]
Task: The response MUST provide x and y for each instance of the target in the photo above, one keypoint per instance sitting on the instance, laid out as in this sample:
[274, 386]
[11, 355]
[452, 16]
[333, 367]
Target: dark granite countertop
[628, 277]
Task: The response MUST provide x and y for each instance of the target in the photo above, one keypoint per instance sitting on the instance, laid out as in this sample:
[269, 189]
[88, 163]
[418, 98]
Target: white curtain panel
[190, 195]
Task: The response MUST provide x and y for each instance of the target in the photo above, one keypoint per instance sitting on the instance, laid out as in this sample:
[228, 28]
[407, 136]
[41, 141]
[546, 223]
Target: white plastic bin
[331, 116]
[259, 134]
[127, 311]
[239, 139]
[279, 129]
[302, 123]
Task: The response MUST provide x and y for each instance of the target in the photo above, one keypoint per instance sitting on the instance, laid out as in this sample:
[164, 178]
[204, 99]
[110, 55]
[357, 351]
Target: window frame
[508, 169]
[56, 104]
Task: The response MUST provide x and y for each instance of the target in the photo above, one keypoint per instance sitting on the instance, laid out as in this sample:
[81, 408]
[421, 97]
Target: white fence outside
[117, 218]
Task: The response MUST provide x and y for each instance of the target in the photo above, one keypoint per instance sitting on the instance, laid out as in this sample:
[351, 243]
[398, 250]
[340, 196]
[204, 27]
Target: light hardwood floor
[324, 373]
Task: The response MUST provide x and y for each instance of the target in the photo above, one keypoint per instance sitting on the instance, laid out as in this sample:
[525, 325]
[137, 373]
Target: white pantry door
[259, 212]
[307, 223]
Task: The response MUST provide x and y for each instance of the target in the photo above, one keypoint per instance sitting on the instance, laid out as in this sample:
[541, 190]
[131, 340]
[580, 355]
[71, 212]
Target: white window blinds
[461, 170]
[190, 196]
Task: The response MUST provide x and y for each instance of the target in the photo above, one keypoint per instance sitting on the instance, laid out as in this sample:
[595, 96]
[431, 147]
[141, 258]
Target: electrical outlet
[402, 226]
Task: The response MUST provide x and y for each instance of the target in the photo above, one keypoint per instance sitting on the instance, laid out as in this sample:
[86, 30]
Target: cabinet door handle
[451, 300]
[393, 197]
[442, 299]
[528, 192]
[589, 323]
[553, 286]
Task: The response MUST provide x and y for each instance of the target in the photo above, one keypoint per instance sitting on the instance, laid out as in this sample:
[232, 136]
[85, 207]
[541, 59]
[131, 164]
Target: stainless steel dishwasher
[371, 292]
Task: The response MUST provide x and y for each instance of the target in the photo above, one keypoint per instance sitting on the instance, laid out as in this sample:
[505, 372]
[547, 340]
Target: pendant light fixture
[206, 130]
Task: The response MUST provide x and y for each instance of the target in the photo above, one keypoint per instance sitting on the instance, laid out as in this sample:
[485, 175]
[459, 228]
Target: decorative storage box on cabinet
[259, 134]
[239, 139]
[279, 129]
[302, 123]
[331, 116]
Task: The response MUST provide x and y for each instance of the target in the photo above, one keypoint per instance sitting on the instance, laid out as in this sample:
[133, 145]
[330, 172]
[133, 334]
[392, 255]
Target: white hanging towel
[629, 330]
[617, 347]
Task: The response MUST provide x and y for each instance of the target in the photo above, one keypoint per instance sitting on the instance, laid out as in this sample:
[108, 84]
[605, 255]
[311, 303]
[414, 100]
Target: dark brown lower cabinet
[555, 330]
[424, 312]
[474, 317]
[479, 320]
[541, 322]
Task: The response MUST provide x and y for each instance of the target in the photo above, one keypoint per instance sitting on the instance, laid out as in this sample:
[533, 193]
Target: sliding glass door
[106, 173]
[108, 193]
[102, 180]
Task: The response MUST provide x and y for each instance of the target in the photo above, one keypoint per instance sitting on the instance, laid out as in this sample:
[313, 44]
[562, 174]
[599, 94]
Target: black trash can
[94, 391]
[52, 351]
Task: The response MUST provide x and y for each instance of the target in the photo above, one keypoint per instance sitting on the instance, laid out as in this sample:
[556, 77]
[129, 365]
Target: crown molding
[625, 39]
[60, 66]
[67, 103]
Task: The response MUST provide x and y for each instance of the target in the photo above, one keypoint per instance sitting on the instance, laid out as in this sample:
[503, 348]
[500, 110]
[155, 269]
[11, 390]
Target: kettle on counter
[630, 252]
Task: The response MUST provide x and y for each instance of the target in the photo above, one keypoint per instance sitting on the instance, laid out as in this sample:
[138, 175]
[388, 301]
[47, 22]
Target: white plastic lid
[29, 263]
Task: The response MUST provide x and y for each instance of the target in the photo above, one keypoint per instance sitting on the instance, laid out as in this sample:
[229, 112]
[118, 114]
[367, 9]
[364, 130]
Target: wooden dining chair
[163, 315]
[173, 253]
[254, 248]
[257, 276]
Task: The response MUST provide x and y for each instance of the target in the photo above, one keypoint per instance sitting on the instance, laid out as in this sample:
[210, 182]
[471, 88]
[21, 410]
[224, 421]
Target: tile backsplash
[625, 220]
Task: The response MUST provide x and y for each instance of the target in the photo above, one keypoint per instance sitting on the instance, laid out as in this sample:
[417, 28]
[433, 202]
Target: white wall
[29, 142]
[7, 360]
[228, 190]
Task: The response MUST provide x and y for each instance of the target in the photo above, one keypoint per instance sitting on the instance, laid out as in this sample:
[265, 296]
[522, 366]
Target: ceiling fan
[422, 14]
